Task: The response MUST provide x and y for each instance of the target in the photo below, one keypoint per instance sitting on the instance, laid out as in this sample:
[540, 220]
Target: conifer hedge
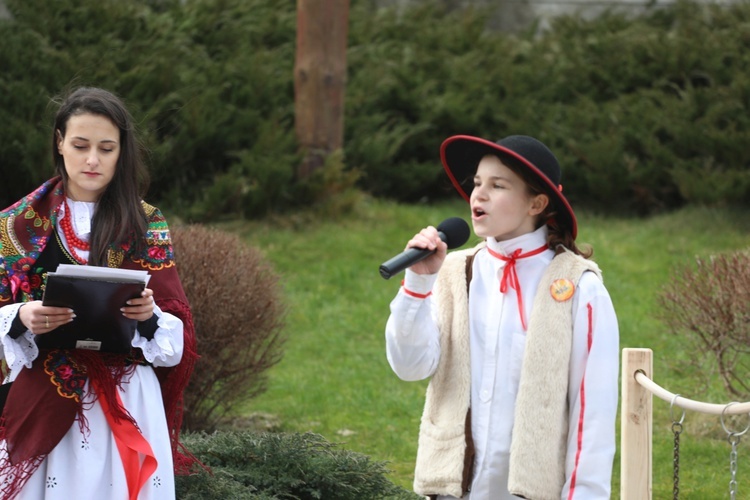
[246, 466]
[645, 113]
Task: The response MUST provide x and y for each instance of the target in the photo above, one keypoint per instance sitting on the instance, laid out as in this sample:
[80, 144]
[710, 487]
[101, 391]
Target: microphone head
[456, 231]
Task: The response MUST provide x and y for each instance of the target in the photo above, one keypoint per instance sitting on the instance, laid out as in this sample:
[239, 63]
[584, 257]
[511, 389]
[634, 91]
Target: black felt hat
[461, 154]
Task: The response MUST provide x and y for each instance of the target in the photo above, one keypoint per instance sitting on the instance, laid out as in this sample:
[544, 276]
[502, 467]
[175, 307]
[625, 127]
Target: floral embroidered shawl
[25, 230]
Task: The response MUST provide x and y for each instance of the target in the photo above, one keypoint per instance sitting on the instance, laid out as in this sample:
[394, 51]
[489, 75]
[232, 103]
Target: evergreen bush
[238, 310]
[244, 465]
[205, 80]
[645, 113]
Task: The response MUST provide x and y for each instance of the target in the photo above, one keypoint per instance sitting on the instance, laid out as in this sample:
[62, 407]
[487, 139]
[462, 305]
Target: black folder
[99, 324]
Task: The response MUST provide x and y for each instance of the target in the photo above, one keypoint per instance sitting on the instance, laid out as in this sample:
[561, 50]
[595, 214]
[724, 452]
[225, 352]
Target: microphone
[454, 231]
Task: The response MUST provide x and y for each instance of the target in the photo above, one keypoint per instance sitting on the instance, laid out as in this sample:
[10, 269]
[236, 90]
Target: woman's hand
[140, 309]
[41, 319]
[429, 239]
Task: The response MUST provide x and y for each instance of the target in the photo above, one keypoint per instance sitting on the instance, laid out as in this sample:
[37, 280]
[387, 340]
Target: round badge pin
[562, 289]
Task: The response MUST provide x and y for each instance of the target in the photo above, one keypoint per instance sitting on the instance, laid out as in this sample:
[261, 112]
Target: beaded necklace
[71, 238]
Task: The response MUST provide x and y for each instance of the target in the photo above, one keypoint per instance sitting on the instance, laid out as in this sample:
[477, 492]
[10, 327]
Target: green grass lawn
[334, 378]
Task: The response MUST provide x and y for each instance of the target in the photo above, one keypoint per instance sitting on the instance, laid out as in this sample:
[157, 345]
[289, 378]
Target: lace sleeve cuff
[164, 348]
[18, 351]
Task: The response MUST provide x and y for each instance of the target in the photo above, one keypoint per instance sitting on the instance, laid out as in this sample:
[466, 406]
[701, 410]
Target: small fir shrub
[244, 465]
[709, 306]
[238, 312]
[331, 190]
[259, 180]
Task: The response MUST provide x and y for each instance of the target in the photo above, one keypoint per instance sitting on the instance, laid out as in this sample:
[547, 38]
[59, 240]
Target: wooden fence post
[636, 427]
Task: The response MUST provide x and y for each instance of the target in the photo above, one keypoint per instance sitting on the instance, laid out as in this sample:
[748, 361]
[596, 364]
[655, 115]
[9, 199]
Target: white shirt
[497, 346]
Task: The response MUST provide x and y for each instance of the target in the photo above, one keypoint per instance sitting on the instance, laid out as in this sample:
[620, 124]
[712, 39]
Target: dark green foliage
[656, 111]
[415, 78]
[245, 465]
[645, 113]
[208, 81]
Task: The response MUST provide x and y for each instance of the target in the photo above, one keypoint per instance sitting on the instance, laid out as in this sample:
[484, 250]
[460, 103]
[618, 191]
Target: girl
[518, 335]
[87, 424]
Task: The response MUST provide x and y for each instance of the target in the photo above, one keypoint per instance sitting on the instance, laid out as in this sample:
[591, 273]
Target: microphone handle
[405, 259]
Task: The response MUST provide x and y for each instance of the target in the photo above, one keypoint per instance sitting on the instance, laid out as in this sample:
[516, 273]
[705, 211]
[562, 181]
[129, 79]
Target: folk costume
[84, 424]
[521, 346]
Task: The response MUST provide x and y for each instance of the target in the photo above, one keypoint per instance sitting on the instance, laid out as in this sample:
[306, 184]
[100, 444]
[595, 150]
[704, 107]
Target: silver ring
[733, 433]
[671, 411]
[46, 321]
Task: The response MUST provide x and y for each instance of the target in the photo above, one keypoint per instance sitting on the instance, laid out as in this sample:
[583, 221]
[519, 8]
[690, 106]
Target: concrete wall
[508, 15]
[511, 15]
[4, 13]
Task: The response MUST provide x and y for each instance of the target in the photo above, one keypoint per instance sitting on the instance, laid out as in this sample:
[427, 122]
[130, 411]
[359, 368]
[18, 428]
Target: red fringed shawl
[25, 229]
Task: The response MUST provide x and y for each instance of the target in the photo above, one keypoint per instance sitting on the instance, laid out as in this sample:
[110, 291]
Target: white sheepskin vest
[537, 461]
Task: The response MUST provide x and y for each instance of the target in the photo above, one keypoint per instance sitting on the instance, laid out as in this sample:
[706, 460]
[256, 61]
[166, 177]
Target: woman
[78, 423]
[518, 337]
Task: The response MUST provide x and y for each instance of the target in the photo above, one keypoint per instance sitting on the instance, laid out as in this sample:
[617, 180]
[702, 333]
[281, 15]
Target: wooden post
[320, 79]
[635, 427]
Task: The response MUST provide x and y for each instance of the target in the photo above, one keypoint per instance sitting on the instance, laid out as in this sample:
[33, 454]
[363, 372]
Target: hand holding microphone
[453, 231]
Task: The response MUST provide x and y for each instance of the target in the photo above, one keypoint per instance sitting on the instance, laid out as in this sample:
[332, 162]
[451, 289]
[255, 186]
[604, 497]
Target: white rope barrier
[636, 424]
[732, 408]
